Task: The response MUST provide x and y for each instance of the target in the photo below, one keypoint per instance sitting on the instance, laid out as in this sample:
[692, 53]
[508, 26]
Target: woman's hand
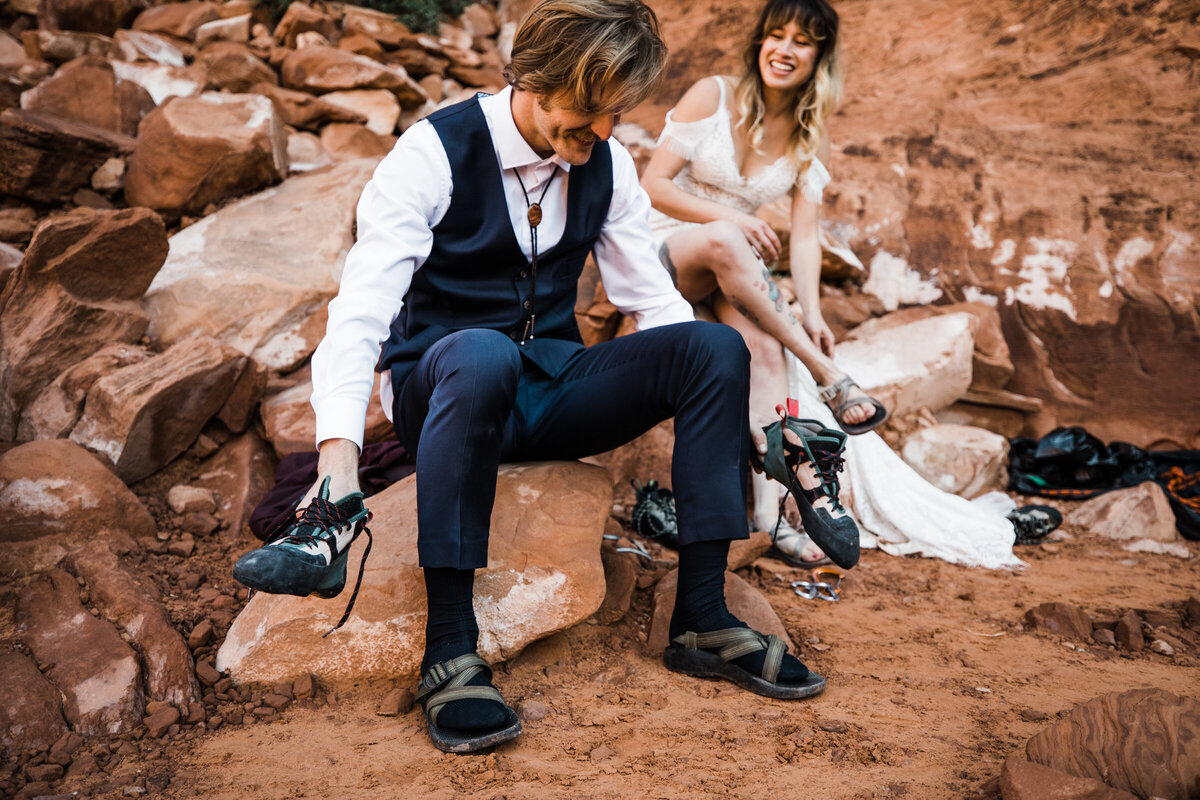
[818, 330]
[761, 237]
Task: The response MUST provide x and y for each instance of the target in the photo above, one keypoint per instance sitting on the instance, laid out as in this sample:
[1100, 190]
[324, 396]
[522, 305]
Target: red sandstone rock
[95, 671]
[239, 474]
[158, 722]
[1140, 741]
[418, 63]
[55, 486]
[361, 44]
[176, 19]
[326, 69]
[90, 16]
[239, 410]
[76, 291]
[959, 459]
[61, 46]
[544, 574]
[291, 423]
[620, 579]
[1128, 632]
[1061, 618]
[141, 45]
[346, 141]
[1025, 780]
[47, 158]
[230, 29]
[744, 552]
[382, 27]
[232, 67]
[234, 144]
[143, 416]
[647, 457]
[744, 601]
[86, 90]
[30, 707]
[137, 607]
[303, 110]
[56, 408]
[300, 18]
[1139, 512]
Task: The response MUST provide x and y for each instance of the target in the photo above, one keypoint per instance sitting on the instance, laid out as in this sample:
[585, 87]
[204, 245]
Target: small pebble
[1162, 648]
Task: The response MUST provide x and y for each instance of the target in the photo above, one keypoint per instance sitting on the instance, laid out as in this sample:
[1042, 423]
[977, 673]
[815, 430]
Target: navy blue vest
[476, 275]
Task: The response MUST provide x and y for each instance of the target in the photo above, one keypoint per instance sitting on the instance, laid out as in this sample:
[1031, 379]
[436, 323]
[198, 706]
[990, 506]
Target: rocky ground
[936, 675]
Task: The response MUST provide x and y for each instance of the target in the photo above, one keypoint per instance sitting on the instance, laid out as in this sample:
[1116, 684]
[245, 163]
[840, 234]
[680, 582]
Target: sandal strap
[445, 682]
[735, 643]
[449, 695]
[839, 387]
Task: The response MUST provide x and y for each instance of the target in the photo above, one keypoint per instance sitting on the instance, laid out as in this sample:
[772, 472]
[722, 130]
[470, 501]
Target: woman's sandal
[690, 653]
[444, 683]
[828, 524]
[841, 396]
[787, 544]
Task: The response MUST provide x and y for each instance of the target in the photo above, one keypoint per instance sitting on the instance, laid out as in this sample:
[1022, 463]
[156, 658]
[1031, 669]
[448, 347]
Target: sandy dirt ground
[933, 680]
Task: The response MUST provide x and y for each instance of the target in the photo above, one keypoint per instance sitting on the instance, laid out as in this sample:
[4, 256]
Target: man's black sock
[700, 604]
[451, 631]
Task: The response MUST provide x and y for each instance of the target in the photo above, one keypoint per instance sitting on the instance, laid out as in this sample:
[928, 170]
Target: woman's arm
[805, 259]
[700, 101]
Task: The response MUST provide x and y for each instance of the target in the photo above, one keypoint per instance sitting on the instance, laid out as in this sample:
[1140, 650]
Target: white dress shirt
[408, 196]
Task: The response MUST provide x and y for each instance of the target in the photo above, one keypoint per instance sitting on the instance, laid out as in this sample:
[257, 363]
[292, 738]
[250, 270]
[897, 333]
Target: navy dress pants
[473, 402]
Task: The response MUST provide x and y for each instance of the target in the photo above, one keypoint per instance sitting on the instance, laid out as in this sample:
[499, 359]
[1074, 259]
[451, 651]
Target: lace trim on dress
[812, 181]
[682, 138]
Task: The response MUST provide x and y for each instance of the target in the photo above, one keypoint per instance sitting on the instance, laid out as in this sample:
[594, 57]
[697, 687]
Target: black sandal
[841, 396]
[689, 653]
[444, 683]
[833, 530]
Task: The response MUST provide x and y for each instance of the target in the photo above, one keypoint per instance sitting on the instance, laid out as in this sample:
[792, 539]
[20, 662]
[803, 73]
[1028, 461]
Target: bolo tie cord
[534, 215]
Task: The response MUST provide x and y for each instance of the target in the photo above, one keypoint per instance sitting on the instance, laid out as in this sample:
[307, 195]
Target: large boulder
[87, 90]
[144, 415]
[377, 106]
[96, 673]
[1142, 741]
[380, 26]
[140, 45]
[319, 69]
[56, 487]
[46, 158]
[921, 364]
[302, 18]
[1025, 780]
[1139, 512]
[259, 272]
[30, 707]
[544, 574]
[198, 150]
[77, 290]
[959, 459]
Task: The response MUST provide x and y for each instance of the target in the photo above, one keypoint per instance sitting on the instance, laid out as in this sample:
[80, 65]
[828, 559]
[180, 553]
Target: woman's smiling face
[787, 57]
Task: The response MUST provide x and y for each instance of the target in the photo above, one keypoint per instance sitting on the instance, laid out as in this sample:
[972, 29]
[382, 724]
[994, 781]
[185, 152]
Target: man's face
[570, 134]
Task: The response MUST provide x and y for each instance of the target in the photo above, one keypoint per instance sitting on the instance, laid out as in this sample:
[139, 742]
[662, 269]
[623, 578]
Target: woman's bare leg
[716, 256]
[768, 386]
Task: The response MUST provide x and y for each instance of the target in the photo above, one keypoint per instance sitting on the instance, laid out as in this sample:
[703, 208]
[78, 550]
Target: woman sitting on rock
[730, 146]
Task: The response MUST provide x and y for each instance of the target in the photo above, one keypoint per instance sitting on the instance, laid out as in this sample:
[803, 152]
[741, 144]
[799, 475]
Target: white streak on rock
[895, 284]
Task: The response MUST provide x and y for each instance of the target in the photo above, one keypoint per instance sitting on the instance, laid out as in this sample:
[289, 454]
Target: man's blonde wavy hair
[817, 98]
[597, 56]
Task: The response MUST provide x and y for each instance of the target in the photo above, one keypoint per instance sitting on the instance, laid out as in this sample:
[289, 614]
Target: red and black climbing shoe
[806, 458]
[306, 554]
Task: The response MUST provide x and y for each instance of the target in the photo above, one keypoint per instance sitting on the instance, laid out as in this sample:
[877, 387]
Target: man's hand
[760, 235]
[818, 330]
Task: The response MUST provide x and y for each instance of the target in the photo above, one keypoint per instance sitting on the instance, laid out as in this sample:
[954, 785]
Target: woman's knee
[727, 244]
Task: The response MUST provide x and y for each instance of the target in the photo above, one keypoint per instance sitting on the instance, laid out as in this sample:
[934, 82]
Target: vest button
[527, 305]
[523, 273]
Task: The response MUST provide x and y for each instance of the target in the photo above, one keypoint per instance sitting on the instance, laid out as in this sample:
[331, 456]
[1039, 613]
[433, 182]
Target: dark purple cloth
[379, 466]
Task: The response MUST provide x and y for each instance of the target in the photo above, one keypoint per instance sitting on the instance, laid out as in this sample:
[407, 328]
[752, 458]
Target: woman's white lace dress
[896, 509]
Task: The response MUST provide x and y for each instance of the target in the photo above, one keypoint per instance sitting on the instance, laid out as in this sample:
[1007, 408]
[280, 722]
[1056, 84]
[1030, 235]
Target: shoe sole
[703, 664]
[449, 740]
[283, 577]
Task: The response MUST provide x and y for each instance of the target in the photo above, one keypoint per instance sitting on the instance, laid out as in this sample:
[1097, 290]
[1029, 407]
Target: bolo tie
[534, 215]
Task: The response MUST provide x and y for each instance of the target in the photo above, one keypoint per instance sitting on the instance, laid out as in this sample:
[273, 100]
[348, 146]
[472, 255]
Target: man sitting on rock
[471, 238]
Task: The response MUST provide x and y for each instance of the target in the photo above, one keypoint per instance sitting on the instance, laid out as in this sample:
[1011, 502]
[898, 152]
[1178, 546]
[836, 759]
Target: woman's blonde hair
[817, 99]
[603, 56]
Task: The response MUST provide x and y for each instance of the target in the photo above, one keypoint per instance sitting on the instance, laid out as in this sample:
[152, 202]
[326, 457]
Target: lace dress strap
[682, 138]
[812, 181]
